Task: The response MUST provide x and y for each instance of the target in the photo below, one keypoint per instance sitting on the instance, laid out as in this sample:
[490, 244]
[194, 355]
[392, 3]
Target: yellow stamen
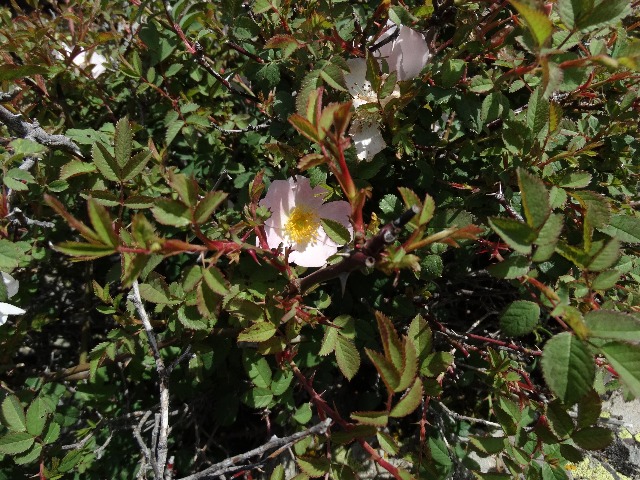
[302, 225]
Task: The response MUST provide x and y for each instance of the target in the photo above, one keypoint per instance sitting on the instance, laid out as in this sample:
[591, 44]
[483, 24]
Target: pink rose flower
[297, 211]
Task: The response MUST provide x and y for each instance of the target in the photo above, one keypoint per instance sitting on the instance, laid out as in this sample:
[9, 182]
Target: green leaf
[105, 162]
[15, 442]
[281, 382]
[347, 357]
[135, 165]
[171, 212]
[535, 199]
[303, 414]
[277, 473]
[336, 231]
[36, 416]
[390, 204]
[332, 74]
[207, 205]
[190, 318]
[173, 129]
[409, 402]
[305, 127]
[30, 456]
[517, 235]
[597, 212]
[560, 421]
[625, 359]
[314, 467]
[376, 419]
[421, 335]
[155, 292]
[513, 267]
[589, 409]
[18, 179]
[138, 202]
[10, 255]
[451, 72]
[85, 251]
[390, 340]
[215, 281]
[258, 332]
[10, 72]
[13, 414]
[519, 318]
[258, 397]
[102, 223]
[606, 279]
[123, 141]
[603, 255]
[568, 367]
[257, 368]
[328, 341]
[269, 74]
[624, 227]
[58, 186]
[285, 42]
[601, 13]
[390, 376]
[575, 179]
[488, 445]
[537, 21]
[103, 197]
[387, 443]
[613, 325]
[409, 367]
[70, 460]
[593, 438]
[436, 363]
[538, 113]
[548, 238]
[52, 433]
[75, 168]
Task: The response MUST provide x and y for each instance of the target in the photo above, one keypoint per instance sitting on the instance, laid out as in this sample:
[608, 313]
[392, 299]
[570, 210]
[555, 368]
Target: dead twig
[32, 131]
[279, 444]
[159, 442]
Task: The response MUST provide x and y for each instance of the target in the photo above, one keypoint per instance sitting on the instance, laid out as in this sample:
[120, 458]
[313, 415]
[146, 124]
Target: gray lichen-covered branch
[33, 131]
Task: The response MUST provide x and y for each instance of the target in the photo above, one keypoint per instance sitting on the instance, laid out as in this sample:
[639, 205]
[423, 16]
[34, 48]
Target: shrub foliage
[488, 287]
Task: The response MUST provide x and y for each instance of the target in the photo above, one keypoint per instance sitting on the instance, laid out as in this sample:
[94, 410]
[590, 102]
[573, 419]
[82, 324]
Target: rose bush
[215, 283]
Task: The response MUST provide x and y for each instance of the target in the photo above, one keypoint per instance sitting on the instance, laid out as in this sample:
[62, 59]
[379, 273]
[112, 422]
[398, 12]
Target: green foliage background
[511, 297]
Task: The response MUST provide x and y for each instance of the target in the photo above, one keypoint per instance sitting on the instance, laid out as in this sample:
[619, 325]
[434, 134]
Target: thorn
[343, 281]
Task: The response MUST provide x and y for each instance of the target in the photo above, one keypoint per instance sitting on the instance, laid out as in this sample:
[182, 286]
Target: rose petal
[407, 54]
[11, 283]
[314, 254]
[8, 309]
[357, 84]
[367, 138]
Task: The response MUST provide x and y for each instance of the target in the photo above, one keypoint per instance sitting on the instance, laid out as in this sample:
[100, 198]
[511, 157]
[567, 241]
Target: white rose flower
[365, 127]
[7, 309]
[407, 54]
[85, 59]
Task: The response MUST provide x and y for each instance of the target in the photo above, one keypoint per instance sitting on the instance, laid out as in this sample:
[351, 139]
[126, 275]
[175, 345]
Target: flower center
[302, 225]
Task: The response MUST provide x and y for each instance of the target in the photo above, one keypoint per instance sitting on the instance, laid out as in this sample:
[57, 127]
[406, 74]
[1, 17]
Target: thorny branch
[238, 462]
[195, 49]
[159, 446]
